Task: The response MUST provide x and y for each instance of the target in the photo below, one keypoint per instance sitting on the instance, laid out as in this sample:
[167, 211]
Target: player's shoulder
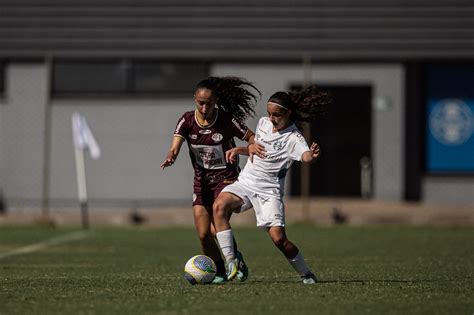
[188, 115]
[224, 115]
[187, 118]
[264, 121]
[296, 135]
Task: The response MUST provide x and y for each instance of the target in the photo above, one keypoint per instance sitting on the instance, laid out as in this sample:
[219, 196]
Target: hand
[170, 158]
[256, 149]
[230, 155]
[315, 151]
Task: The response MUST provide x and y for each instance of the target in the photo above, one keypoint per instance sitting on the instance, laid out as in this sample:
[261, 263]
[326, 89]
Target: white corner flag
[83, 139]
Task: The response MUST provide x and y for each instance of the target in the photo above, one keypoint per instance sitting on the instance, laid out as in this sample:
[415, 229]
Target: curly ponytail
[306, 104]
[235, 95]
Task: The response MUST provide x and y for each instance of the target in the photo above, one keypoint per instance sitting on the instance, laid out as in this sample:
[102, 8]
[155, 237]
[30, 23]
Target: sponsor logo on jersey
[209, 157]
[217, 137]
[205, 131]
[194, 137]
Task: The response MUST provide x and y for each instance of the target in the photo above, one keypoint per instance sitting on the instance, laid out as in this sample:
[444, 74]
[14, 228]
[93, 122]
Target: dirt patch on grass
[324, 212]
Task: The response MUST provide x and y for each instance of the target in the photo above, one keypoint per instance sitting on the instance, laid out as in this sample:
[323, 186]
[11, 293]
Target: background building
[402, 74]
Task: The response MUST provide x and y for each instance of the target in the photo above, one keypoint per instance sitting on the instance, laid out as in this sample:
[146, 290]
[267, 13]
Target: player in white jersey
[261, 184]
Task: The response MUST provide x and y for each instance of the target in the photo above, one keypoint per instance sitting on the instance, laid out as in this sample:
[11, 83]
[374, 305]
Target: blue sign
[450, 119]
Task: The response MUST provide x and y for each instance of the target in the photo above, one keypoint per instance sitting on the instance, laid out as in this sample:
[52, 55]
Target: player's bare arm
[312, 154]
[249, 136]
[250, 150]
[254, 148]
[230, 155]
[173, 152]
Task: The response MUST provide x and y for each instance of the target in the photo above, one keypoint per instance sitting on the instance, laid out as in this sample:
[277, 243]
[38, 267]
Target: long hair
[236, 95]
[306, 104]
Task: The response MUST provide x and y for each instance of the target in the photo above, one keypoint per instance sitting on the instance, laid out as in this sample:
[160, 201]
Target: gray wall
[448, 190]
[134, 135]
[21, 130]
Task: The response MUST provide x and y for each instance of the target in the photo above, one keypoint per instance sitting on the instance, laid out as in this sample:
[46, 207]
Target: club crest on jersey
[205, 131]
[194, 137]
[217, 137]
[277, 145]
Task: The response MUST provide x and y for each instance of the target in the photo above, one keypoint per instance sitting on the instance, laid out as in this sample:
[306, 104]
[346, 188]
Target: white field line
[74, 236]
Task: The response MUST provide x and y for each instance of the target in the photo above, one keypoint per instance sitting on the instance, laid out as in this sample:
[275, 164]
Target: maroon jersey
[207, 146]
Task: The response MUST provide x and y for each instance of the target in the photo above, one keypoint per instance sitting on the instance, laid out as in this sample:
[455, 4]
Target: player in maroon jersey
[222, 104]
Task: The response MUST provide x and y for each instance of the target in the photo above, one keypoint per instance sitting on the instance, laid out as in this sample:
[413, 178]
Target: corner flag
[83, 137]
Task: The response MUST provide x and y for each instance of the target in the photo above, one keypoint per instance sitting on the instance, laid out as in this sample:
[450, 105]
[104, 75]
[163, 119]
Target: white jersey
[266, 176]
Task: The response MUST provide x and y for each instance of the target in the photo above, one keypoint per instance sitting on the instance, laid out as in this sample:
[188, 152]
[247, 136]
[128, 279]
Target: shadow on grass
[361, 281]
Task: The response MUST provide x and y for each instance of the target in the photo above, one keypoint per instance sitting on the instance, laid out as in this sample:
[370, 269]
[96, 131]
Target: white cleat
[309, 278]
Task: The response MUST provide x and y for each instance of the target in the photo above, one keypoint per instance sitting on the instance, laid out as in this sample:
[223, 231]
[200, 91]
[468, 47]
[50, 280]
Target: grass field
[123, 270]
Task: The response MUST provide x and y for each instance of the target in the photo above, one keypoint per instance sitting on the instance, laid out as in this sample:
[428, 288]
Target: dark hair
[235, 95]
[306, 104]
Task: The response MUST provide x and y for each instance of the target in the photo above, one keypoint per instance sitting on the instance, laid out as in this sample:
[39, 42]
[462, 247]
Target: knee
[205, 236]
[279, 240]
[219, 208]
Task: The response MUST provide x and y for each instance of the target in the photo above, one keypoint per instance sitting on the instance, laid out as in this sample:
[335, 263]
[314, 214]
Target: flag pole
[81, 186]
[83, 139]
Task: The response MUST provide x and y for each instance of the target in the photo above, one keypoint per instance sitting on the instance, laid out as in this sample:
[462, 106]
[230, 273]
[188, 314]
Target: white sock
[226, 243]
[299, 264]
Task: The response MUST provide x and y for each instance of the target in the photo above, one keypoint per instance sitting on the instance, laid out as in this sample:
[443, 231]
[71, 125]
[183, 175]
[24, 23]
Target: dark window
[126, 77]
[168, 77]
[90, 77]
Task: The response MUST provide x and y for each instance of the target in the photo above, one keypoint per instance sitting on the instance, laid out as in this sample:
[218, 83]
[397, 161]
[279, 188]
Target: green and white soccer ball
[200, 269]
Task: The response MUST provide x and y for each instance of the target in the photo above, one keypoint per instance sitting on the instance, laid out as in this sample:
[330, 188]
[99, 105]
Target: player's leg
[292, 253]
[202, 222]
[224, 205]
[242, 269]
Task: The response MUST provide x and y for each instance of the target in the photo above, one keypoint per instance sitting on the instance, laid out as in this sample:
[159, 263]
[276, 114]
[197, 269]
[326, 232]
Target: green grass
[139, 271]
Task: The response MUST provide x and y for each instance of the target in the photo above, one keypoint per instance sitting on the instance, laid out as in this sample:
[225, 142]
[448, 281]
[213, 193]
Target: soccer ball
[200, 269]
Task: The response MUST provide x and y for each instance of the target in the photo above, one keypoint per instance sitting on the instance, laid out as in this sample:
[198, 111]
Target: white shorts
[269, 210]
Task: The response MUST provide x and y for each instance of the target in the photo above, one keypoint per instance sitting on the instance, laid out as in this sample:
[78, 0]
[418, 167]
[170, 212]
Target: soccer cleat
[242, 270]
[219, 280]
[309, 278]
[232, 269]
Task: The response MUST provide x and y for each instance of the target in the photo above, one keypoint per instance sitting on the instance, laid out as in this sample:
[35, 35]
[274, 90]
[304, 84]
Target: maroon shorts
[205, 195]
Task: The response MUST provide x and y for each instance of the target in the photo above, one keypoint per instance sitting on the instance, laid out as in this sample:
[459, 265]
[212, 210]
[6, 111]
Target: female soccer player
[261, 184]
[222, 104]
